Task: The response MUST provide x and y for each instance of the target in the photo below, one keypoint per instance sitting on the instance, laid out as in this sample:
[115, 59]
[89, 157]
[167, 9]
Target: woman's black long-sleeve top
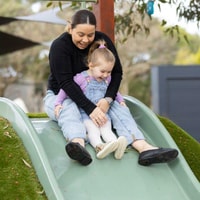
[66, 60]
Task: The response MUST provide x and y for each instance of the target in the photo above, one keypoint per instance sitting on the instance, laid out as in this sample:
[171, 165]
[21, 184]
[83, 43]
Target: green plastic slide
[107, 179]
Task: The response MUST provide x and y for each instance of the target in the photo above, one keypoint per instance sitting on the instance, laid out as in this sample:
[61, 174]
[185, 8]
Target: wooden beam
[104, 12]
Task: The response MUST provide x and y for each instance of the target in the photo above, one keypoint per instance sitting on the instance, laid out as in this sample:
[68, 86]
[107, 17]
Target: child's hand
[122, 103]
[57, 110]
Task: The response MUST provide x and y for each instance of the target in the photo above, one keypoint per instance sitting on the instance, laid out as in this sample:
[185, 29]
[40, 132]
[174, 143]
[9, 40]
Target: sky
[169, 14]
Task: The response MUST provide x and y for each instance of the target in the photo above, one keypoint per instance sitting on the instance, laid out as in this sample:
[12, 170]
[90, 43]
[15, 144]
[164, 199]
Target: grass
[18, 179]
[189, 147]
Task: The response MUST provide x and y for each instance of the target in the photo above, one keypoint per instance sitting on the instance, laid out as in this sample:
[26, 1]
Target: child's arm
[119, 98]
[59, 100]
[80, 80]
[60, 97]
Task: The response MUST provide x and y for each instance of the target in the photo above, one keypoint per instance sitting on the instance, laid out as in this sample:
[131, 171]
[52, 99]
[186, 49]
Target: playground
[109, 179]
[103, 179]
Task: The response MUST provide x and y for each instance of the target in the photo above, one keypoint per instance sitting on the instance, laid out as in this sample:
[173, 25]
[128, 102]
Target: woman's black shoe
[161, 155]
[77, 152]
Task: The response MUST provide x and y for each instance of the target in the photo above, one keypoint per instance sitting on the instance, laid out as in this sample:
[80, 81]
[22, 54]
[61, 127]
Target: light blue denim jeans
[124, 123]
[69, 120]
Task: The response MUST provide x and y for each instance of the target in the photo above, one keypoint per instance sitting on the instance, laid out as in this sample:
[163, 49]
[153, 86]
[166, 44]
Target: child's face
[101, 70]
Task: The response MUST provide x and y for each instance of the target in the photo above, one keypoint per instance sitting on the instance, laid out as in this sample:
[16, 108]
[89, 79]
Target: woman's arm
[63, 69]
[116, 72]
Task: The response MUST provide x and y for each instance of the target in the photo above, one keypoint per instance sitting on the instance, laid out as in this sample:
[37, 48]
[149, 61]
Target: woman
[94, 83]
[67, 58]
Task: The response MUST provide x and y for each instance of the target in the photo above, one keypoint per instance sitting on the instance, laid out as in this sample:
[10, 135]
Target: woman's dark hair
[83, 17]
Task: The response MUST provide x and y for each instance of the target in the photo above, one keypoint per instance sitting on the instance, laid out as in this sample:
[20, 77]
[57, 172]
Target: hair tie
[102, 46]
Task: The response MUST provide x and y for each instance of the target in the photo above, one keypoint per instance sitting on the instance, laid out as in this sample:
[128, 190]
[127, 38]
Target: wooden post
[104, 12]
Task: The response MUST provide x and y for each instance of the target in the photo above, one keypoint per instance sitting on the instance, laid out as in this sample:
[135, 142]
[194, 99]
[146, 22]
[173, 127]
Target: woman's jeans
[69, 118]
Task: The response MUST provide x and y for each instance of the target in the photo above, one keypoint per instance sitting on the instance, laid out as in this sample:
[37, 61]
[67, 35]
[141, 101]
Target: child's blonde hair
[99, 50]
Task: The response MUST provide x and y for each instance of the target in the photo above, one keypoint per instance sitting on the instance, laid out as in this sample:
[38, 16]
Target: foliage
[189, 147]
[10, 7]
[186, 57]
[131, 17]
[131, 20]
[17, 178]
[190, 12]
[139, 87]
[31, 63]
[160, 50]
[188, 54]
[37, 115]
[138, 10]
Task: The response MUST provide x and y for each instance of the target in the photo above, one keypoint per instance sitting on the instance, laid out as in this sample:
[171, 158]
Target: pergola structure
[103, 10]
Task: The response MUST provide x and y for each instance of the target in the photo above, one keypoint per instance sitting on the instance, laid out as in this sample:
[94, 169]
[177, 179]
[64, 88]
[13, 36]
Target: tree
[30, 64]
[188, 54]
[138, 54]
[132, 16]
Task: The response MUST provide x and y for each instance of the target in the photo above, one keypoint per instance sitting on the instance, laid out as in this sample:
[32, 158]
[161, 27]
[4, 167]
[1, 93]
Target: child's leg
[93, 133]
[108, 135]
[122, 144]
[124, 123]
[106, 149]
[102, 149]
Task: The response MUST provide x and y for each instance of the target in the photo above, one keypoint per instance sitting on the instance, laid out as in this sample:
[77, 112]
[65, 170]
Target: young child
[94, 83]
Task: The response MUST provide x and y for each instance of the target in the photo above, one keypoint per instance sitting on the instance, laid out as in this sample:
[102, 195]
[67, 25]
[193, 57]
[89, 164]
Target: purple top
[82, 81]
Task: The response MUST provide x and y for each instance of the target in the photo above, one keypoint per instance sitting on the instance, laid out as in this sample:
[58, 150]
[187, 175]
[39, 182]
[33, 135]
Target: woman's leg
[69, 119]
[72, 127]
[125, 124]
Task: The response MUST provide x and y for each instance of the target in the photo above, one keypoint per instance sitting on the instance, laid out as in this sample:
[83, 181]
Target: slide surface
[107, 179]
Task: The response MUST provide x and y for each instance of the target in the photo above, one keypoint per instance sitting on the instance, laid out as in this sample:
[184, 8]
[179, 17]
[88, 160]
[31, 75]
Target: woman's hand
[57, 110]
[98, 117]
[103, 105]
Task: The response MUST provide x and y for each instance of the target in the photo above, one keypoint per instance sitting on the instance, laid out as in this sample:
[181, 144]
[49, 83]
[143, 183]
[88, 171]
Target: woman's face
[82, 35]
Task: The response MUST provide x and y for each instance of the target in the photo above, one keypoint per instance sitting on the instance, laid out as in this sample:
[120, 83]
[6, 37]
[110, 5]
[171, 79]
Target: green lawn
[18, 180]
[189, 147]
